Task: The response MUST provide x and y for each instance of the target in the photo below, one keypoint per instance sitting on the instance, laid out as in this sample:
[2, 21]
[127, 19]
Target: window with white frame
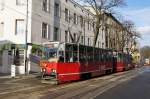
[94, 26]
[66, 0]
[98, 44]
[81, 21]
[56, 10]
[56, 34]
[1, 29]
[46, 5]
[21, 2]
[75, 18]
[88, 41]
[66, 36]
[82, 39]
[67, 15]
[45, 30]
[102, 45]
[20, 26]
[75, 37]
[88, 25]
[2, 4]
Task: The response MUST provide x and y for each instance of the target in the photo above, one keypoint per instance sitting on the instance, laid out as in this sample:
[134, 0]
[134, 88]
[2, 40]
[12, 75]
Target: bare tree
[100, 7]
[71, 24]
[130, 35]
[145, 52]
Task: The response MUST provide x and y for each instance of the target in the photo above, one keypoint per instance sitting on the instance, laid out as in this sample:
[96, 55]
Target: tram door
[71, 53]
[114, 59]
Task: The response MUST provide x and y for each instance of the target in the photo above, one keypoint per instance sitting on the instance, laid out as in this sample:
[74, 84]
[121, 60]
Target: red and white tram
[65, 62]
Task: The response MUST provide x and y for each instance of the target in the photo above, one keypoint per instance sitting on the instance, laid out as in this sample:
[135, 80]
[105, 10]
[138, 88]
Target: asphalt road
[133, 84]
[137, 88]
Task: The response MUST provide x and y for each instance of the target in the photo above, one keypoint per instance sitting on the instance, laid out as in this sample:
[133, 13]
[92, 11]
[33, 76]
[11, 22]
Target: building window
[99, 44]
[102, 45]
[46, 5]
[67, 15]
[91, 26]
[75, 37]
[75, 18]
[45, 30]
[66, 36]
[2, 4]
[88, 23]
[107, 41]
[94, 26]
[56, 12]
[56, 34]
[81, 21]
[20, 26]
[21, 2]
[1, 29]
[82, 39]
[88, 41]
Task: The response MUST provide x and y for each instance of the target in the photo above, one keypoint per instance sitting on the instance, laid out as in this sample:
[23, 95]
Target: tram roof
[57, 42]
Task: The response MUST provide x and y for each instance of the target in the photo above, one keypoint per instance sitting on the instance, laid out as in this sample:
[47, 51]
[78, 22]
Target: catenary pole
[26, 39]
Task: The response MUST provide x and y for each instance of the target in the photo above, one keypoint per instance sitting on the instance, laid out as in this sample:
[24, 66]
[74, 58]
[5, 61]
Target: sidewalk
[8, 76]
[4, 75]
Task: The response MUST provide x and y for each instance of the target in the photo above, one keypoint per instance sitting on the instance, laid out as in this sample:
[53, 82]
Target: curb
[20, 76]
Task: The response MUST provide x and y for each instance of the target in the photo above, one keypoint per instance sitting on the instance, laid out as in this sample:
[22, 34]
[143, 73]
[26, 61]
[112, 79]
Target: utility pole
[84, 32]
[26, 40]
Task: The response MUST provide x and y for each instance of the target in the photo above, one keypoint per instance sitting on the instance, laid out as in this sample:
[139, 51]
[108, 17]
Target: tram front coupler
[49, 77]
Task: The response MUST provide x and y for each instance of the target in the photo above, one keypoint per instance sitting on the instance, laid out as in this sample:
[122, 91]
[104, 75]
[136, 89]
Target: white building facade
[48, 20]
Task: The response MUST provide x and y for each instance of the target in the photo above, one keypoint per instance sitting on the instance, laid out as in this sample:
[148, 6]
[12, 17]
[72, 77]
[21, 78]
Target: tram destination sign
[51, 45]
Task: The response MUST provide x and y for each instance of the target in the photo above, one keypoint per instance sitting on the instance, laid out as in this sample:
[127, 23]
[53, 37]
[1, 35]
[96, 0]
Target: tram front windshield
[50, 54]
[53, 55]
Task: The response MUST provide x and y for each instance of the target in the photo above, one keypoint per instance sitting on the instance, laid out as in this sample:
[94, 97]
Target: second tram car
[124, 62]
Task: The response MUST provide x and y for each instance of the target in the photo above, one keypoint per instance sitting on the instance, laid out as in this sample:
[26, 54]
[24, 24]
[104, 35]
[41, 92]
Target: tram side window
[82, 57]
[75, 56]
[120, 56]
[61, 56]
[109, 58]
[90, 53]
[105, 57]
[75, 53]
[100, 55]
[68, 56]
[71, 53]
[82, 53]
[96, 55]
[52, 54]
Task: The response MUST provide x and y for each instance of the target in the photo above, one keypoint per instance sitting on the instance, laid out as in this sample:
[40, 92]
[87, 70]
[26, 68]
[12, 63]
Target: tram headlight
[44, 70]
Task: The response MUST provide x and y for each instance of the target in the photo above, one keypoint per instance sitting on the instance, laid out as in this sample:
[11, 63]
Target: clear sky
[139, 12]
